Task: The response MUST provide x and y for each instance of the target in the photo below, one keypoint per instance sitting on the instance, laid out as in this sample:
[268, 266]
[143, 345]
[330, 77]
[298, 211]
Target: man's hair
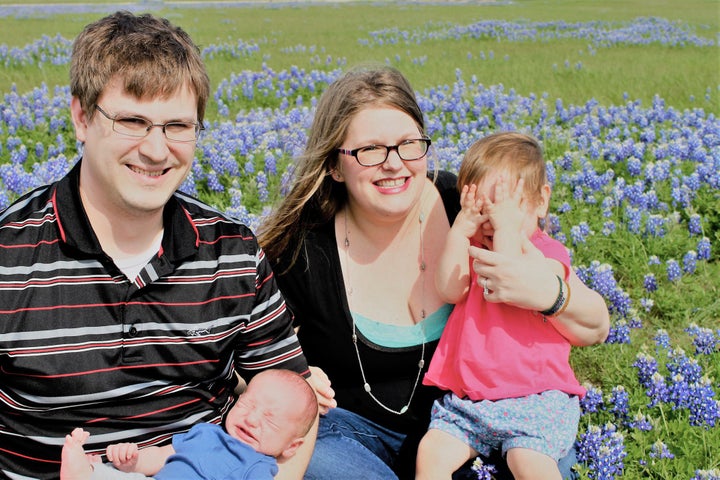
[150, 56]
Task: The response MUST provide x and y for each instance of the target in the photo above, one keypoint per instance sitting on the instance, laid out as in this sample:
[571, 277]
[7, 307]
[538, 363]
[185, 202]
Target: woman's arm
[529, 282]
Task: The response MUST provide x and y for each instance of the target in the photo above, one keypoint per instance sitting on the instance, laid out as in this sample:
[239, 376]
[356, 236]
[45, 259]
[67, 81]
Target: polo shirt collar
[180, 238]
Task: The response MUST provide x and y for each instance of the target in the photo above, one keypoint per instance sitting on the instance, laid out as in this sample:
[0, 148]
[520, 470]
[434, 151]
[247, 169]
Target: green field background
[681, 76]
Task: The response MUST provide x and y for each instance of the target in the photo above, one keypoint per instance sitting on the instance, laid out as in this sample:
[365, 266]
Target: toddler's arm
[452, 278]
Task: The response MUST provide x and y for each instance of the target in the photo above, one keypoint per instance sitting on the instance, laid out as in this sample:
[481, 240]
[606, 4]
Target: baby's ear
[544, 201]
[291, 449]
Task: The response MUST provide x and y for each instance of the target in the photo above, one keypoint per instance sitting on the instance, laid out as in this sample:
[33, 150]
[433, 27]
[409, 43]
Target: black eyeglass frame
[149, 126]
[388, 149]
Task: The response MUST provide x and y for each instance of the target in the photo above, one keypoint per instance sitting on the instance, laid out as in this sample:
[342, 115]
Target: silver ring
[485, 287]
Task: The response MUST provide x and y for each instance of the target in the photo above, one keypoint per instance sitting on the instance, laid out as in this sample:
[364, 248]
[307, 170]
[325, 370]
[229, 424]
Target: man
[125, 306]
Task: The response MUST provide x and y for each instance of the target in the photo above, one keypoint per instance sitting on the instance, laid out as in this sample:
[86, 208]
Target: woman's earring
[336, 175]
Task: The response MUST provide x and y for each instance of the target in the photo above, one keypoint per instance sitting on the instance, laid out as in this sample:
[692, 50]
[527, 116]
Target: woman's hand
[321, 384]
[529, 282]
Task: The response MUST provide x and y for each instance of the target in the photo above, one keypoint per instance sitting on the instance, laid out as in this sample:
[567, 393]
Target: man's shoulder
[27, 207]
[204, 215]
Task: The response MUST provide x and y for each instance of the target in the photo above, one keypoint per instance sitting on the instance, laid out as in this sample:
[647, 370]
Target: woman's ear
[336, 175]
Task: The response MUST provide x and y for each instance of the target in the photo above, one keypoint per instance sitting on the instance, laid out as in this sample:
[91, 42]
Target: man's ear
[292, 448]
[80, 119]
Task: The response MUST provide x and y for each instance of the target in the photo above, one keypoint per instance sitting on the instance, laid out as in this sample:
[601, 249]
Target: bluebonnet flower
[580, 232]
[564, 208]
[592, 402]
[484, 471]
[619, 403]
[635, 322]
[662, 339]
[704, 409]
[640, 422]
[608, 228]
[680, 364]
[679, 392]
[647, 304]
[660, 450]
[633, 218]
[713, 474]
[704, 339]
[703, 249]
[619, 333]
[653, 260]
[650, 282]
[655, 225]
[603, 450]
[673, 270]
[689, 262]
[262, 186]
[634, 166]
[694, 224]
[657, 390]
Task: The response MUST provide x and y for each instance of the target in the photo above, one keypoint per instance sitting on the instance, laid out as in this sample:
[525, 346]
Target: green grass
[681, 76]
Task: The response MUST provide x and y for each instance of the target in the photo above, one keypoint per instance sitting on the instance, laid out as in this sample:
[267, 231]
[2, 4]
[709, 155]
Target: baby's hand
[124, 456]
[506, 212]
[470, 217]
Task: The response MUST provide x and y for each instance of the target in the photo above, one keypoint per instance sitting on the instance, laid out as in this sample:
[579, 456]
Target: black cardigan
[315, 293]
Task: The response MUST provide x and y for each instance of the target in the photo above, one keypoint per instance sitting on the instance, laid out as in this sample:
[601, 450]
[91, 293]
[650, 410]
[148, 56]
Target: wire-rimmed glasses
[140, 127]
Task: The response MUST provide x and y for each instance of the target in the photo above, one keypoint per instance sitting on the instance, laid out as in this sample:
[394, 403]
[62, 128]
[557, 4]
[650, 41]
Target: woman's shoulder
[446, 184]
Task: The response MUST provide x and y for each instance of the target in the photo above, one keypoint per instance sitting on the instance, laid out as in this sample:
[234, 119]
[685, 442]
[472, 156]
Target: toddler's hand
[506, 212]
[470, 217]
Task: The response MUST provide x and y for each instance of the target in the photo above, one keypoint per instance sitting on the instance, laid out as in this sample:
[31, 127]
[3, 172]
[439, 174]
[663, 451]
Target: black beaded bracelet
[559, 301]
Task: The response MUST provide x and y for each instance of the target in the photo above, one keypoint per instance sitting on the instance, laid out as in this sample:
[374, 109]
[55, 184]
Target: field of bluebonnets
[625, 97]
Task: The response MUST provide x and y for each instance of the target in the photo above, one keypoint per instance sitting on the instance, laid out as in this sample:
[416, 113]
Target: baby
[267, 423]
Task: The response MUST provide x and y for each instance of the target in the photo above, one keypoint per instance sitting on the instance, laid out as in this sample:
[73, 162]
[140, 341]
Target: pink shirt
[490, 351]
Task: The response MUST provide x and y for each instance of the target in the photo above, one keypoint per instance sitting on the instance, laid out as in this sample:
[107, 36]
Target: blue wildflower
[660, 450]
[689, 262]
[650, 282]
[673, 270]
[484, 471]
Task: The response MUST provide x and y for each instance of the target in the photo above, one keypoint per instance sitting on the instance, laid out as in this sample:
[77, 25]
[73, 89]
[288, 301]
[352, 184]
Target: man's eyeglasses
[371, 155]
[140, 127]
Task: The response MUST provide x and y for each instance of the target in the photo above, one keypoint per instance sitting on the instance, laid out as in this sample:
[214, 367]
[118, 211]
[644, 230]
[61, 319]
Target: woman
[354, 246]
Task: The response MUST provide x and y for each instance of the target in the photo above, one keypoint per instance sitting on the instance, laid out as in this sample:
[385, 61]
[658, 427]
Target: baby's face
[264, 418]
[486, 187]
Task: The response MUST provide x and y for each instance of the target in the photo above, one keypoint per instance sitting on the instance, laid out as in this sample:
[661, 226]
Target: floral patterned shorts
[545, 422]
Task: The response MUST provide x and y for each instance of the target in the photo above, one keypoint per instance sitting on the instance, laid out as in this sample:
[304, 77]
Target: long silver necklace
[421, 363]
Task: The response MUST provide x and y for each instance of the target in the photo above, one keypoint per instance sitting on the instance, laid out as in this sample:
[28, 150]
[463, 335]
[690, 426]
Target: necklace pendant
[347, 242]
[367, 387]
[403, 409]
[422, 266]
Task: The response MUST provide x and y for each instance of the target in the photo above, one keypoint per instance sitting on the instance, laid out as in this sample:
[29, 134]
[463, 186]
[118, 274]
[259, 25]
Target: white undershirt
[132, 265]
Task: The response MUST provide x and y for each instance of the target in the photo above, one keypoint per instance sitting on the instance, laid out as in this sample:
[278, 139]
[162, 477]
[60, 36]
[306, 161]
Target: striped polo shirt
[137, 359]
